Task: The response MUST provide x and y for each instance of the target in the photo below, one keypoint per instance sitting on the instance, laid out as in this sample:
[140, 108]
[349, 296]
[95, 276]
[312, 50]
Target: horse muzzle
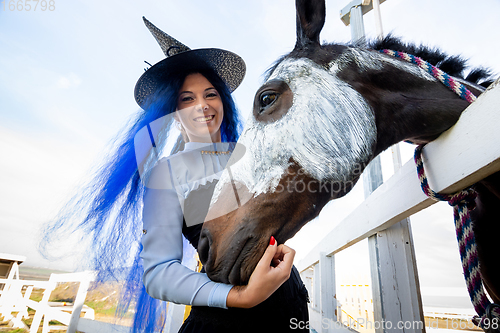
[229, 256]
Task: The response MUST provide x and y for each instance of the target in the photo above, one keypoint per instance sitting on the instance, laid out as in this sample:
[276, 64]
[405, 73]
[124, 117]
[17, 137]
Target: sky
[66, 88]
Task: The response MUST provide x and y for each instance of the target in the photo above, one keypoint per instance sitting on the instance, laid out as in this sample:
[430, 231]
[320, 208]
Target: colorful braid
[444, 78]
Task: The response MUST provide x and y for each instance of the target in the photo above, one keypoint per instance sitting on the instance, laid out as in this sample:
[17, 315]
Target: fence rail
[460, 157]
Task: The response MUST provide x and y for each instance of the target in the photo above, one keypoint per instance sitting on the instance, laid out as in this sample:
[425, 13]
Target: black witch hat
[228, 65]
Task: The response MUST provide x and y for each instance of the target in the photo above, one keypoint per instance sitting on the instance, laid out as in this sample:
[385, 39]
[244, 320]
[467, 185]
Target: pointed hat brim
[228, 65]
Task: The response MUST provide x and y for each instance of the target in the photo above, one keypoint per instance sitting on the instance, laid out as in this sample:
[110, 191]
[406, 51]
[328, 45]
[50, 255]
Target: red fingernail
[272, 241]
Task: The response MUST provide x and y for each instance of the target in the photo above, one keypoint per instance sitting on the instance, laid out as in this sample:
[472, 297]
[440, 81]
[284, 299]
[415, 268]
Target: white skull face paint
[329, 131]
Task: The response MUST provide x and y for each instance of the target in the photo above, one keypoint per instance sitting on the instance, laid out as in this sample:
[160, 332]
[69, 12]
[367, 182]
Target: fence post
[307, 278]
[394, 277]
[357, 26]
[316, 288]
[395, 286]
[328, 296]
[396, 290]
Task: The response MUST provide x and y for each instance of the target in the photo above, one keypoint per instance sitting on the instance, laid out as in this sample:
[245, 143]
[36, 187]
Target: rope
[444, 78]
[463, 203]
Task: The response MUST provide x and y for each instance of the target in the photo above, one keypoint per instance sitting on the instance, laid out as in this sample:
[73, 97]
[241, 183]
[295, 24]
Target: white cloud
[69, 81]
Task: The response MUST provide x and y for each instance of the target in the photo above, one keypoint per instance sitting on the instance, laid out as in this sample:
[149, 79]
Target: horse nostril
[204, 245]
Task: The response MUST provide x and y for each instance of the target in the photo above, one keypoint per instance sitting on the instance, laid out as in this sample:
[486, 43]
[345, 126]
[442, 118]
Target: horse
[324, 112]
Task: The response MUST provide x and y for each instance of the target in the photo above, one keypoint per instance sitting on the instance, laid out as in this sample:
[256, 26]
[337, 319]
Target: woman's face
[199, 109]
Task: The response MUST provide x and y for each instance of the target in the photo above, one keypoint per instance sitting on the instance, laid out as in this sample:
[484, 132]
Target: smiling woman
[199, 110]
[176, 200]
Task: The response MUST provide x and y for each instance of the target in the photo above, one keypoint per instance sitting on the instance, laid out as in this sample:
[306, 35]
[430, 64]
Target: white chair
[67, 315]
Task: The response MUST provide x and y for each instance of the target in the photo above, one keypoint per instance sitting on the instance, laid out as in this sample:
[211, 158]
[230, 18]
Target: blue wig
[112, 202]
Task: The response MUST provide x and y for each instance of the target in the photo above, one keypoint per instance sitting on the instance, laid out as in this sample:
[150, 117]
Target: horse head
[324, 112]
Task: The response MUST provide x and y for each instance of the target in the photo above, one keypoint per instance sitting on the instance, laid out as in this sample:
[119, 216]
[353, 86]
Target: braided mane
[453, 65]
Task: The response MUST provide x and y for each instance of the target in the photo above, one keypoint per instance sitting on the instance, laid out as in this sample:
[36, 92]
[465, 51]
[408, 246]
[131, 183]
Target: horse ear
[310, 20]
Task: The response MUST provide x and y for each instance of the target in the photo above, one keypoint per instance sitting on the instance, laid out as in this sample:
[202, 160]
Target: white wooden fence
[15, 301]
[460, 157]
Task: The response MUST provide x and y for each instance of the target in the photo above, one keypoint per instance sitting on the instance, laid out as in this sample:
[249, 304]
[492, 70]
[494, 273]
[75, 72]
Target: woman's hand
[270, 273]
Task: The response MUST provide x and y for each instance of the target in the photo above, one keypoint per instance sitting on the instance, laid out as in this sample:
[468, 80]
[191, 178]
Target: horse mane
[451, 64]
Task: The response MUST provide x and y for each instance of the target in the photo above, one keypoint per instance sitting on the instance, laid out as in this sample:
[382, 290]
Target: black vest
[195, 209]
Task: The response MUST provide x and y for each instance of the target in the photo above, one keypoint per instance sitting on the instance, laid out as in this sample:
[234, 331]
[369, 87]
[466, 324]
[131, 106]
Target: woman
[178, 193]
[191, 89]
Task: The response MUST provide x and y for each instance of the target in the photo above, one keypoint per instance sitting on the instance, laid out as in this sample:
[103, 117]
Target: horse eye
[267, 98]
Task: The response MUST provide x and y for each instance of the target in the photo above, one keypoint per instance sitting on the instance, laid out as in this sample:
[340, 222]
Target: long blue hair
[107, 212]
